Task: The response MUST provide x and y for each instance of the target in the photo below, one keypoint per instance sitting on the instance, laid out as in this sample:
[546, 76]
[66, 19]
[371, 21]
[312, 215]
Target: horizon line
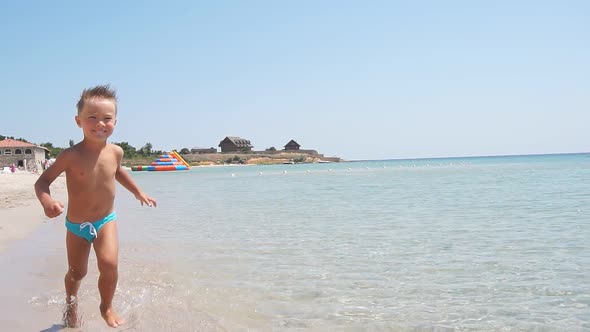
[477, 156]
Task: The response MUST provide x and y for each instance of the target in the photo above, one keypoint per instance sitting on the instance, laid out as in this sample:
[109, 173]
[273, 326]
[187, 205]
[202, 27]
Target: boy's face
[97, 119]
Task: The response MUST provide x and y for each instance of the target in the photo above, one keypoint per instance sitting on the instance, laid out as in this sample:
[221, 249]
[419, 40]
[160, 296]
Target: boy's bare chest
[100, 168]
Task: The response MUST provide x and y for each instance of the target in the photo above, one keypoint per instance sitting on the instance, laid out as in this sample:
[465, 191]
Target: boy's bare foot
[110, 316]
[70, 317]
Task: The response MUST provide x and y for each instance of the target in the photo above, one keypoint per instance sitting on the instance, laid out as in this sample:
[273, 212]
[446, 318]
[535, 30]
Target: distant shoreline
[206, 161]
[228, 158]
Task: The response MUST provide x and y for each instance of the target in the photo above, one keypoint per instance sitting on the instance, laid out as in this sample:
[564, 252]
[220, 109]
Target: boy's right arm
[51, 207]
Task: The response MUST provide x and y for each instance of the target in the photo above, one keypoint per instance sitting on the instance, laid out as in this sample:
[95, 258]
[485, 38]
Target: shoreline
[20, 212]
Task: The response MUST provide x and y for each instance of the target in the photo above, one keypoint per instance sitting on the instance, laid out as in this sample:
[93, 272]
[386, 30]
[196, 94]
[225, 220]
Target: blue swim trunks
[89, 230]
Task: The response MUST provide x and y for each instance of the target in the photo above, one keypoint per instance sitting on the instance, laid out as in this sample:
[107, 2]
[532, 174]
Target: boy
[91, 167]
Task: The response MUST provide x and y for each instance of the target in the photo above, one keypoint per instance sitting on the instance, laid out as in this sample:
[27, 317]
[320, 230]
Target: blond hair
[99, 91]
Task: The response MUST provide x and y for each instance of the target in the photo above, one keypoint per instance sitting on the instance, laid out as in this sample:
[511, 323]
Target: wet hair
[99, 91]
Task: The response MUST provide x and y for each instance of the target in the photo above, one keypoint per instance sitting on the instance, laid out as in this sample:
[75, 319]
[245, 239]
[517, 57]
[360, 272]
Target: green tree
[146, 150]
[185, 151]
[71, 143]
[128, 150]
[12, 137]
[53, 151]
[47, 145]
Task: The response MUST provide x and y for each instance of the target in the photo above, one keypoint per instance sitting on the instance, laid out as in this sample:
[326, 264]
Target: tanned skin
[91, 168]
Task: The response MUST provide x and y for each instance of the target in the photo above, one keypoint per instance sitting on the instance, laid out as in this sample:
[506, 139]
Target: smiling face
[97, 119]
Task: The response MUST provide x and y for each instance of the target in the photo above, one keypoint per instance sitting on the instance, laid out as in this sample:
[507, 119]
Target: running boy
[91, 167]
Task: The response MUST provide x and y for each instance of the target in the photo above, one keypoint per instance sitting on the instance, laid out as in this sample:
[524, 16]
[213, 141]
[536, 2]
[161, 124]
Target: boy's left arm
[126, 181]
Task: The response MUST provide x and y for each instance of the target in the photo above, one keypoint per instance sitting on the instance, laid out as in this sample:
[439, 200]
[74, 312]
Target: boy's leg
[106, 247]
[78, 250]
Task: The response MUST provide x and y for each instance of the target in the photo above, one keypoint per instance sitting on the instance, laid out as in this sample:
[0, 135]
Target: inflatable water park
[167, 162]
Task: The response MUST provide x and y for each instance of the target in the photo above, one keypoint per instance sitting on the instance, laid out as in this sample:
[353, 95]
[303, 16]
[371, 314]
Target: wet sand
[23, 255]
[20, 212]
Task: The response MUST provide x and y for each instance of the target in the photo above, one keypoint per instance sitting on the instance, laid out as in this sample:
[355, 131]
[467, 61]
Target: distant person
[12, 168]
[91, 168]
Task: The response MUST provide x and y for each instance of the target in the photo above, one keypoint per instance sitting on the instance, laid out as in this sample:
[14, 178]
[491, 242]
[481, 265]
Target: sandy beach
[20, 212]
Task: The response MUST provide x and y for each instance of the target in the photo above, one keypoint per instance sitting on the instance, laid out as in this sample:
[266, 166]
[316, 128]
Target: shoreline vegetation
[146, 155]
[211, 157]
[237, 158]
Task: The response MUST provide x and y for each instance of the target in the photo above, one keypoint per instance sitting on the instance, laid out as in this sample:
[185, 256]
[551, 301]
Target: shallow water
[460, 244]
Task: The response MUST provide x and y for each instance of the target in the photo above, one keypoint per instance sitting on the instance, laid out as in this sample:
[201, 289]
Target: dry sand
[20, 212]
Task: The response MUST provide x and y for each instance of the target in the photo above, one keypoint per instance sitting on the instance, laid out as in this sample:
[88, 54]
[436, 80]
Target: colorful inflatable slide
[167, 162]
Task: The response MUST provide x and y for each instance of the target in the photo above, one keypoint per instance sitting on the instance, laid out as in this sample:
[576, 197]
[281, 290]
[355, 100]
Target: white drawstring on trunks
[91, 226]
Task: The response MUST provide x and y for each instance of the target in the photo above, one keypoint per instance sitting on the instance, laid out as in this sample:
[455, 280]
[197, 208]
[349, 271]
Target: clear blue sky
[355, 79]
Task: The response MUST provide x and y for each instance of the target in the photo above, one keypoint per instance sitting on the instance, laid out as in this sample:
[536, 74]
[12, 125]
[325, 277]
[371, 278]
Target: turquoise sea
[455, 244]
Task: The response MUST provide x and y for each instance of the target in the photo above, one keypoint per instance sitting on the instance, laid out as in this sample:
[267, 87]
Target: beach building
[235, 144]
[22, 154]
[292, 146]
